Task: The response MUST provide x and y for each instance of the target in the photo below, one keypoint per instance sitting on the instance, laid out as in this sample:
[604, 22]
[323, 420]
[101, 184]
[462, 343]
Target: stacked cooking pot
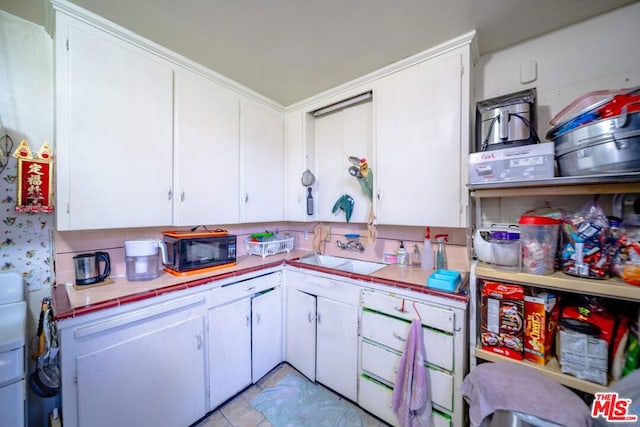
[603, 138]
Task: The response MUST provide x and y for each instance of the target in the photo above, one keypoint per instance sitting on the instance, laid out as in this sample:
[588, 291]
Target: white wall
[601, 53]
[26, 111]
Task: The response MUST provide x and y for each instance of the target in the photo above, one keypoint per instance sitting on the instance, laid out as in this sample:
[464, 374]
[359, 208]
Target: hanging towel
[411, 398]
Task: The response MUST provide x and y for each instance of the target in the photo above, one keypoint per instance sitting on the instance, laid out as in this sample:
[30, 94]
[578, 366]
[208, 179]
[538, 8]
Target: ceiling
[289, 50]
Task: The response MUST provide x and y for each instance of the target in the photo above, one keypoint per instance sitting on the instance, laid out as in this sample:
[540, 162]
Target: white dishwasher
[13, 323]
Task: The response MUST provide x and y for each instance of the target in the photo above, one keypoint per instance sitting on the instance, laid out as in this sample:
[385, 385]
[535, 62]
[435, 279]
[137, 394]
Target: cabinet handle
[169, 194]
[378, 194]
[400, 309]
[248, 320]
[318, 317]
[246, 197]
[257, 318]
[182, 196]
[399, 337]
[199, 339]
[250, 288]
[310, 317]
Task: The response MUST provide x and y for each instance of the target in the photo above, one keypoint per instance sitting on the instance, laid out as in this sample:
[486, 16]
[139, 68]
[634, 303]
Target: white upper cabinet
[296, 162]
[262, 148]
[207, 152]
[344, 133]
[114, 118]
[147, 138]
[422, 115]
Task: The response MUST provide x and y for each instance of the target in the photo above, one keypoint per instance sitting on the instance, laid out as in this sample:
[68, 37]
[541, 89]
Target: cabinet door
[337, 351]
[338, 135]
[155, 378]
[114, 119]
[419, 158]
[229, 350]
[301, 332]
[13, 403]
[266, 342]
[262, 162]
[295, 192]
[207, 152]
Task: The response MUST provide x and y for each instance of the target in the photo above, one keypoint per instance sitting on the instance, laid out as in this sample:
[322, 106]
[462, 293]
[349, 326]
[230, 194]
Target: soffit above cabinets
[290, 50]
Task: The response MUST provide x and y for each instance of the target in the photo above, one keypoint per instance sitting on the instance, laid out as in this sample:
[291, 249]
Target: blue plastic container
[444, 280]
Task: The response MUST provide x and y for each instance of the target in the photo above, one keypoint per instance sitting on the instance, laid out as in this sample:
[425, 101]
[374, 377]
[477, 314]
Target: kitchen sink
[342, 264]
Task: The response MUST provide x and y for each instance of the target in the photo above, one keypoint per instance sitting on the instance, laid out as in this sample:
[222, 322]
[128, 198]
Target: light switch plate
[528, 72]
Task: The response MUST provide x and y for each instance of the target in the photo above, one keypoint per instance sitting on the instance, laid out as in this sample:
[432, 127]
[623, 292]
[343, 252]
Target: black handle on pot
[104, 256]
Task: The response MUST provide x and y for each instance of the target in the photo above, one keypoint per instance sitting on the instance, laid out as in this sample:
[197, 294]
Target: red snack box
[502, 319]
[541, 312]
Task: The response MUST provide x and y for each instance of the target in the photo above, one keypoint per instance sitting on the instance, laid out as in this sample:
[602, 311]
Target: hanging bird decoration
[360, 170]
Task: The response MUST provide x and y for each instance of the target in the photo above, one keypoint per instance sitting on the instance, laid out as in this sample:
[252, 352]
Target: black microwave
[193, 252]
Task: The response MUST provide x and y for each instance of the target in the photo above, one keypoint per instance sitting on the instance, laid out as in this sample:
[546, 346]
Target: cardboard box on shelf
[526, 162]
[502, 319]
[541, 312]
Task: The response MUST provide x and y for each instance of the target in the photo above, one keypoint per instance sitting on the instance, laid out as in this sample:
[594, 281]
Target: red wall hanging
[35, 178]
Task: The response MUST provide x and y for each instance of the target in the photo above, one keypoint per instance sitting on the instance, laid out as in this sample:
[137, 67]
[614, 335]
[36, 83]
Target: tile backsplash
[71, 243]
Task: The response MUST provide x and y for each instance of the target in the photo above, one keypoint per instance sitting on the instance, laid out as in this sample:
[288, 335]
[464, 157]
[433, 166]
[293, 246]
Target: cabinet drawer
[432, 316]
[11, 365]
[244, 288]
[334, 289]
[392, 333]
[376, 398]
[384, 364]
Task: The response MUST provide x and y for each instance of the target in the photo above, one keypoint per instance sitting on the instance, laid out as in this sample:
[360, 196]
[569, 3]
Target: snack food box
[502, 319]
[541, 312]
[525, 162]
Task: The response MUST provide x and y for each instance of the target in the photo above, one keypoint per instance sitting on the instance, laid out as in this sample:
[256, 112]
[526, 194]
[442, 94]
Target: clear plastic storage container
[539, 239]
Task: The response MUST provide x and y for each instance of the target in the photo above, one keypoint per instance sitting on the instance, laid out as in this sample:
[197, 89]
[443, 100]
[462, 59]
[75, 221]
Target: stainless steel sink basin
[343, 264]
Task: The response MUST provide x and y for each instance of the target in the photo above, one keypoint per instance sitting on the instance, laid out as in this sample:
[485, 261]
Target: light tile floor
[238, 412]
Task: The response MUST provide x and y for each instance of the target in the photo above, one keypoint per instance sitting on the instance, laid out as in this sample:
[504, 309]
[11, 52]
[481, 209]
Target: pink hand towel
[411, 398]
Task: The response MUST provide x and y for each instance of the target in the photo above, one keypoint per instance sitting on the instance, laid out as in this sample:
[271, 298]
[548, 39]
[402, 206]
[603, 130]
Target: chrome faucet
[351, 244]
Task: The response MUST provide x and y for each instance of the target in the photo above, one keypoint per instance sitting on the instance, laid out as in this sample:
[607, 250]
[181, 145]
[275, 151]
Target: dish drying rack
[270, 247]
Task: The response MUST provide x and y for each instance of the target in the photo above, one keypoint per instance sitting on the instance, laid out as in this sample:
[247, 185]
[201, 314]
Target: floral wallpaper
[26, 239]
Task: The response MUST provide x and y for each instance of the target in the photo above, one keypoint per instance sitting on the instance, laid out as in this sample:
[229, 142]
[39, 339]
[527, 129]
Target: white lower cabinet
[386, 321]
[144, 366]
[245, 335]
[375, 397]
[169, 360]
[266, 333]
[322, 332]
[301, 332]
[229, 350]
[337, 347]
[384, 364]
